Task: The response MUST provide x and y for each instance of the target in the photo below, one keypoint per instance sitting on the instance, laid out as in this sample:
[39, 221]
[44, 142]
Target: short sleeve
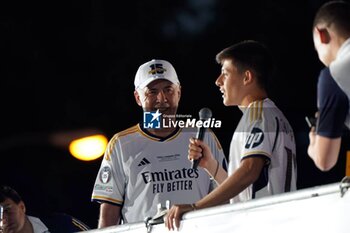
[333, 106]
[259, 133]
[110, 181]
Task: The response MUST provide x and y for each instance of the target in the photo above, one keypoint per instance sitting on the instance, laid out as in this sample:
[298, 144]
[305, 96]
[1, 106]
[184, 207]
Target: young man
[145, 166]
[262, 152]
[331, 36]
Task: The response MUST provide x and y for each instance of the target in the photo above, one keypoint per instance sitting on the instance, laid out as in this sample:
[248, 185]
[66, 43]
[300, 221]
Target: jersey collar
[155, 137]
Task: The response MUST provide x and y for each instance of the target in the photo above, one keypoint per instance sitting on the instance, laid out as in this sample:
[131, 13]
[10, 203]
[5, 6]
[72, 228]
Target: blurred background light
[88, 148]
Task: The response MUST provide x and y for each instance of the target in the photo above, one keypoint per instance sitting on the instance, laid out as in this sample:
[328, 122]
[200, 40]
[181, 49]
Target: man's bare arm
[109, 215]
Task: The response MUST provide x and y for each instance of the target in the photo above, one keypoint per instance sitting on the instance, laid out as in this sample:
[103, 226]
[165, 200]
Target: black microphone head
[205, 113]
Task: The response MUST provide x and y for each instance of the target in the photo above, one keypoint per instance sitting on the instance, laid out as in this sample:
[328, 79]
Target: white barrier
[321, 209]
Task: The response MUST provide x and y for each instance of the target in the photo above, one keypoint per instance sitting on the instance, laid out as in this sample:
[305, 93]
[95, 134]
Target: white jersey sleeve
[109, 183]
[257, 132]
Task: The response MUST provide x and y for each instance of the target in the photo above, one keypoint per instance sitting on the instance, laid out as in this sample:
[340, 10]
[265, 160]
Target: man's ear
[22, 206]
[137, 98]
[248, 77]
[323, 33]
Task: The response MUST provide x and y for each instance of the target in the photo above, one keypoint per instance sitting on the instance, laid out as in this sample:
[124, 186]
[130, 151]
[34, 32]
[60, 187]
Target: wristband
[193, 205]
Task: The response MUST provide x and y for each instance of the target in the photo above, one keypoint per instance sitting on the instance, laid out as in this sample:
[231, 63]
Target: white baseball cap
[154, 70]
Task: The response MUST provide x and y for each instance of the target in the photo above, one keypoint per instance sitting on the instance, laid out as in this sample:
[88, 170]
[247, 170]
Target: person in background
[15, 218]
[262, 159]
[331, 36]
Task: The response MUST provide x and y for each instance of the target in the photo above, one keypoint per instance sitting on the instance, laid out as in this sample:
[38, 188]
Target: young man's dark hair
[250, 55]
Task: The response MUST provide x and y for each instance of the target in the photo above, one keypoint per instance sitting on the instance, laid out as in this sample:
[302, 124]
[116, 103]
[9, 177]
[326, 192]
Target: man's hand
[312, 138]
[197, 149]
[174, 215]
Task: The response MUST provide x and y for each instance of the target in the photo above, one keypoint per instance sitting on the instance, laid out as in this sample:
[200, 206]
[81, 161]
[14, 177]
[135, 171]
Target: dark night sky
[70, 65]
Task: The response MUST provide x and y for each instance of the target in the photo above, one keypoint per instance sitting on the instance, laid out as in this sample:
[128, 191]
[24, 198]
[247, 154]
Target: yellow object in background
[347, 171]
[88, 148]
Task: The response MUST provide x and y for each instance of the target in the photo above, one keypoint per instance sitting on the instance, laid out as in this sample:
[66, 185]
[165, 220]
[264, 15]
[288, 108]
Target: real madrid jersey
[265, 132]
[140, 171]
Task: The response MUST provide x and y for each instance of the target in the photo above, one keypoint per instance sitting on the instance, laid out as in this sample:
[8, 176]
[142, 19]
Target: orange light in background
[88, 148]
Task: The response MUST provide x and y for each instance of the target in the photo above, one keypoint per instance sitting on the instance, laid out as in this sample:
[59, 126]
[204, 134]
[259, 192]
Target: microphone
[1, 218]
[204, 114]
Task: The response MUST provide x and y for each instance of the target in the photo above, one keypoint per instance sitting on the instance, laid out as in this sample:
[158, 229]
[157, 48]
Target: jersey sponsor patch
[170, 180]
[254, 139]
[105, 188]
[105, 174]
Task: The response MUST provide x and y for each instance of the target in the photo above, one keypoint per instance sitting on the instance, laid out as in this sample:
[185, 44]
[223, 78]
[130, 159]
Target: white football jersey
[140, 171]
[264, 131]
[340, 71]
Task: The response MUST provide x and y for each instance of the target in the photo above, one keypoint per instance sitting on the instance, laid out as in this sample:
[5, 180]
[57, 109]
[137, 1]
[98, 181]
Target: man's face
[160, 94]
[14, 216]
[230, 83]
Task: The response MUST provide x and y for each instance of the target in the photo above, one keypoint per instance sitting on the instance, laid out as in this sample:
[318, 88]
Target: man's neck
[27, 228]
[162, 133]
[260, 95]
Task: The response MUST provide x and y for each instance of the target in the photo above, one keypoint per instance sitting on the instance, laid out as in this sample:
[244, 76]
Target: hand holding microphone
[204, 114]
